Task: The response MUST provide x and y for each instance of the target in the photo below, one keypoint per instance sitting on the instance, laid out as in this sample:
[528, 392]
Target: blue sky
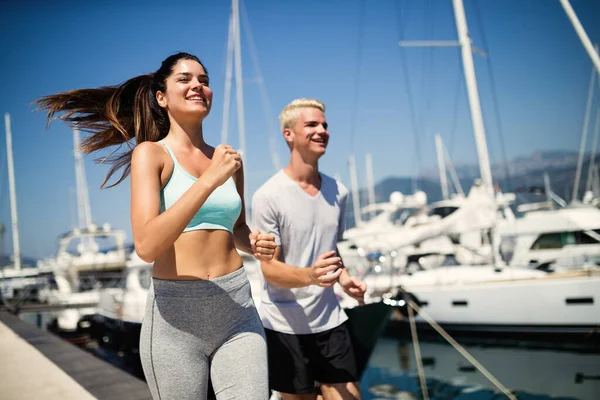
[305, 49]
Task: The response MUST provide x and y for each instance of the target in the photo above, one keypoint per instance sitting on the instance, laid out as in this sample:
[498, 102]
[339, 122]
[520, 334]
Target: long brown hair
[115, 115]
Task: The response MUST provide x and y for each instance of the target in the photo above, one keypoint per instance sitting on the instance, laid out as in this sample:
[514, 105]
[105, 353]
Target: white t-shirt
[304, 227]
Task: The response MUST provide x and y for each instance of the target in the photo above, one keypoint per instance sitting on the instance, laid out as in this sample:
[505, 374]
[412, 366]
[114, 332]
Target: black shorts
[296, 362]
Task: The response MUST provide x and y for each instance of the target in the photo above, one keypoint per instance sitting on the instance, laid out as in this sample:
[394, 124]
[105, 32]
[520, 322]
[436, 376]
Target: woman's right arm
[153, 231]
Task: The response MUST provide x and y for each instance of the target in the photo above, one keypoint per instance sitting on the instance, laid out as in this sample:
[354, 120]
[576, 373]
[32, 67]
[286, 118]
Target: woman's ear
[161, 99]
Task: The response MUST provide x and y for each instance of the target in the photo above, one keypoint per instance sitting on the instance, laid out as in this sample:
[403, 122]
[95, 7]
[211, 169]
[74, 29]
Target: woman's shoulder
[149, 154]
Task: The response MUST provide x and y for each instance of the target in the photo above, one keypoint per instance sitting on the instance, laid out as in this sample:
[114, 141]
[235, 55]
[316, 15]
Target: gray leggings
[195, 328]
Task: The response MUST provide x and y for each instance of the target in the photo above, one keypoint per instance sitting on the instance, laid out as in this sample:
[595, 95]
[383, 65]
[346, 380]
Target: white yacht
[568, 235]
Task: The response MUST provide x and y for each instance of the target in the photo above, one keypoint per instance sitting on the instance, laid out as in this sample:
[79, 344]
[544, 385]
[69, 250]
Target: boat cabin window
[548, 241]
[584, 238]
[400, 216]
[443, 212]
[558, 240]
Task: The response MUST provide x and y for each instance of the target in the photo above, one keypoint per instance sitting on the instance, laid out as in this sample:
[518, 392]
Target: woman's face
[187, 92]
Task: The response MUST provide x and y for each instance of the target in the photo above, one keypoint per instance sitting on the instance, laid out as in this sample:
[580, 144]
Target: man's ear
[160, 98]
[288, 135]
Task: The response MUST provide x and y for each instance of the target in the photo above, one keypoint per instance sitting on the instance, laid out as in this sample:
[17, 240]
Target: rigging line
[413, 118]
[494, 93]
[459, 348]
[420, 111]
[427, 71]
[417, 348]
[359, 49]
[272, 129]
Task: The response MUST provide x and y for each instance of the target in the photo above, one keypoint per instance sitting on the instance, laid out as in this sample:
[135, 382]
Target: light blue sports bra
[220, 210]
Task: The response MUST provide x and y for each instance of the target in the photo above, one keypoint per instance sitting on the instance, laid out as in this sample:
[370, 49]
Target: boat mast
[586, 122]
[473, 93]
[234, 67]
[592, 162]
[227, 91]
[441, 166]
[13, 195]
[234, 62]
[239, 85]
[84, 211]
[585, 40]
[593, 53]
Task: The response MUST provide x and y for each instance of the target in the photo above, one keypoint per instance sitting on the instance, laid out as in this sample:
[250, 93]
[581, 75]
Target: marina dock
[38, 365]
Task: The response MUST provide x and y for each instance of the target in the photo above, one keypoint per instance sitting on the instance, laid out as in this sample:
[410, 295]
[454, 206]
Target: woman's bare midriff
[200, 254]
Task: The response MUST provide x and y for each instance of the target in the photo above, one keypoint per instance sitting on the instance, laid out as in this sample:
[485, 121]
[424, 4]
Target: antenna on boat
[370, 182]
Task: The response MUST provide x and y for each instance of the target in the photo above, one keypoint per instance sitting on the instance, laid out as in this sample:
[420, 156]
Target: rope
[457, 346]
[272, 130]
[359, 52]
[493, 93]
[416, 129]
[426, 71]
[415, 340]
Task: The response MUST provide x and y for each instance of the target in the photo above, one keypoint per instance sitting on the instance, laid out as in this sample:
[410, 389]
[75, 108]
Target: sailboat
[18, 281]
[90, 259]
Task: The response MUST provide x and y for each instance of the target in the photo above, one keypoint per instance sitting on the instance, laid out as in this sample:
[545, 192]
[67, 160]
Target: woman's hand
[224, 163]
[263, 245]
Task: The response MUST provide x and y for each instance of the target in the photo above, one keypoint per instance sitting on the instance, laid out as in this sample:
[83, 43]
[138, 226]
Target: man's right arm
[280, 274]
[324, 272]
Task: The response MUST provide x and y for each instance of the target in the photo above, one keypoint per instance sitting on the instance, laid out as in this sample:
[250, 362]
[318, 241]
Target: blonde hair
[289, 114]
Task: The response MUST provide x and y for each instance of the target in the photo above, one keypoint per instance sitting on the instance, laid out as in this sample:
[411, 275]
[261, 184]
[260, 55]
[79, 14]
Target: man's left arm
[353, 286]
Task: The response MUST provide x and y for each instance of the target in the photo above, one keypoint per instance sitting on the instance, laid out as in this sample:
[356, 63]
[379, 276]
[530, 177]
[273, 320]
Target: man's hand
[326, 270]
[263, 245]
[353, 287]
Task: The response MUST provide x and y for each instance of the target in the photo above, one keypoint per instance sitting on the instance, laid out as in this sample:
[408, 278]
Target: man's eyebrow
[315, 122]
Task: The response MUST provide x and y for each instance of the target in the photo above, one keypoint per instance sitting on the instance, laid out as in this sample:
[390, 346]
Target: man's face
[308, 135]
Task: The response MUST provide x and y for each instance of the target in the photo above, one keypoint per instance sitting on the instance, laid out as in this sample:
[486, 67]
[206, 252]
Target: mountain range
[523, 173]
